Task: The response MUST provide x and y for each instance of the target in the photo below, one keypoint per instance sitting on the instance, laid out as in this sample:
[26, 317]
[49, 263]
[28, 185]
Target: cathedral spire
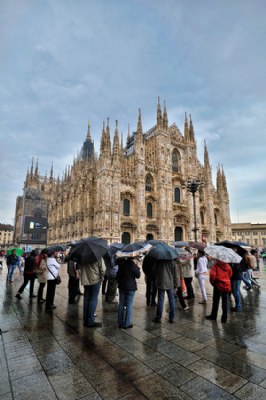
[219, 179]
[36, 168]
[206, 156]
[165, 117]
[159, 114]
[102, 138]
[31, 169]
[139, 127]
[224, 180]
[191, 130]
[52, 171]
[186, 131]
[116, 148]
[88, 138]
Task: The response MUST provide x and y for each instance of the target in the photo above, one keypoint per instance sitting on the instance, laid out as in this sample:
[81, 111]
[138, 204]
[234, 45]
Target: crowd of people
[110, 274]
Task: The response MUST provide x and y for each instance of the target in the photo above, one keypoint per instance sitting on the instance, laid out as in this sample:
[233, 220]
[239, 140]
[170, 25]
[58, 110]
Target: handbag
[58, 280]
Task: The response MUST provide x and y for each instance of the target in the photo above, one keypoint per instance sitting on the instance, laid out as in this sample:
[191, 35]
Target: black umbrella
[114, 248]
[163, 252]
[56, 248]
[87, 251]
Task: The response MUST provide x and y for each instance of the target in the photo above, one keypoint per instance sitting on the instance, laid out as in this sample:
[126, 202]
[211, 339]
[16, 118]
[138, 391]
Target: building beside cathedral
[129, 193]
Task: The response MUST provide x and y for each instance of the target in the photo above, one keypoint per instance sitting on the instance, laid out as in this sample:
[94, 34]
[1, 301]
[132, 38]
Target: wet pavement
[52, 356]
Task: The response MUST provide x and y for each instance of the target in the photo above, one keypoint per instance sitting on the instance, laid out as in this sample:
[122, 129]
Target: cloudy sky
[64, 62]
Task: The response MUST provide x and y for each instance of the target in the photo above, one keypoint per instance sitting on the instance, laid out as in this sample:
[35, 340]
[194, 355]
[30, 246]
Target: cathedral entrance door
[178, 234]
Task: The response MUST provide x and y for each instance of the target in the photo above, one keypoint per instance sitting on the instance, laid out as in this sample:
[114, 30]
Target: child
[220, 275]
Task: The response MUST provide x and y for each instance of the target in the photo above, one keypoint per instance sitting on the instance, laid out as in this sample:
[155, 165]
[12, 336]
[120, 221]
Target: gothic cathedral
[135, 192]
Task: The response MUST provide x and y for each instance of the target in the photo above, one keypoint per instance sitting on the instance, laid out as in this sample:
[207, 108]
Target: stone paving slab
[52, 356]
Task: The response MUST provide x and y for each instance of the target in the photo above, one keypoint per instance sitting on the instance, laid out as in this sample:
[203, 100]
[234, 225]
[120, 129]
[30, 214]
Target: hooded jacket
[220, 275]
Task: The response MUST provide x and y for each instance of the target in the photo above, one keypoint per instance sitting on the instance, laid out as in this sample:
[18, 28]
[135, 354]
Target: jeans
[160, 303]
[236, 293]
[245, 279]
[126, 298]
[253, 282]
[11, 270]
[91, 293]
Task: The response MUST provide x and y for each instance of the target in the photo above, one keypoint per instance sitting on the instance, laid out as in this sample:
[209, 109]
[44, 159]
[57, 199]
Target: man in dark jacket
[12, 263]
[29, 275]
[167, 281]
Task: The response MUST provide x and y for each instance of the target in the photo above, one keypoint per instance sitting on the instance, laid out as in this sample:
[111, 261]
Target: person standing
[252, 263]
[187, 270]
[91, 276]
[244, 267]
[150, 280]
[201, 273]
[12, 263]
[42, 275]
[220, 275]
[111, 271]
[28, 275]
[236, 280]
[52, 272]
[73, 281]
[128, 272]
[167, 281]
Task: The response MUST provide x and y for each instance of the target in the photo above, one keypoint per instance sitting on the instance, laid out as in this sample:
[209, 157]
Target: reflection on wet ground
[52, 356]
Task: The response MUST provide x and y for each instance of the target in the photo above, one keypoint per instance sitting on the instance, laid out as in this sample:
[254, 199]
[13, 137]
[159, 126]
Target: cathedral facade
[137, 191]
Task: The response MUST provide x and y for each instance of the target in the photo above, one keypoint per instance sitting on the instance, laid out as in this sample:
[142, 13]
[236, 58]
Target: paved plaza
[52, 356]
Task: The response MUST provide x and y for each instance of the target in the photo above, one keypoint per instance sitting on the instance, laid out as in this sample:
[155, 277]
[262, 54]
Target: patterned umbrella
[222, 253]
[133, 250]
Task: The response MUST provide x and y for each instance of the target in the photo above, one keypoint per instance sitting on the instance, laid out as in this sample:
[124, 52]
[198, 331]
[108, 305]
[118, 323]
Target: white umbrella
[222, 253]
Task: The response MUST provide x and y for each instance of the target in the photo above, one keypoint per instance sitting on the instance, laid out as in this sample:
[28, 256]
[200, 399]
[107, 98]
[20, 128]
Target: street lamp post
[193, 186]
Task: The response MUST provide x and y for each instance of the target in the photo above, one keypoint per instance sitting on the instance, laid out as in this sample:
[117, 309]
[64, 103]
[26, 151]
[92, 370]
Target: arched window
[177, 197]
[149, 236]
[178, 234]
[175, 158]
[149, 210]
[149, 183]
[125, 238]
[215, 219]
[202, 217]
[126, 207]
